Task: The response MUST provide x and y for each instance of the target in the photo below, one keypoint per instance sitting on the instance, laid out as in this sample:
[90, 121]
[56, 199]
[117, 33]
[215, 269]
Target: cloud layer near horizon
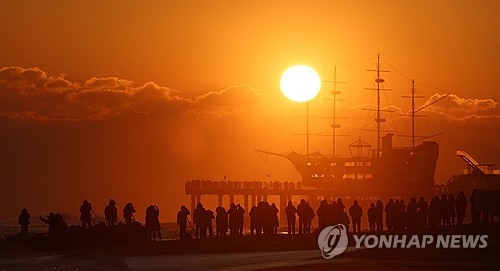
[33, 94]
[106, 132]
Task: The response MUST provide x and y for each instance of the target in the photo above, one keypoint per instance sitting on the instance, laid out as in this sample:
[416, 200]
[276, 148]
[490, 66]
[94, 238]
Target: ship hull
[395, 172]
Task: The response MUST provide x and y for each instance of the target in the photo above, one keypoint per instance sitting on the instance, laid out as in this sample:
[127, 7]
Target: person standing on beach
[182, 217]
[111, 213]
[275, 219]
[356, 212]
[24, 221]
[461, 205]
[221, 221]
[153, 222]
[232, 219]
[198, 218]
[323, 212]
[451, 206]
[372, 217]
[309, 217]
[86, 215]
[302, 213]
[253, 219]
[290, 217]
[209, 216]
[390, 215]
[240, 215]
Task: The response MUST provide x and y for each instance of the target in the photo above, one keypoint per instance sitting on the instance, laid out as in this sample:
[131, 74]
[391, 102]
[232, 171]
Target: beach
[280, 252]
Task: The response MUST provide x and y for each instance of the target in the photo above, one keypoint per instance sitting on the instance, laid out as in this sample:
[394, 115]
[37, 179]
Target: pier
[256, 192]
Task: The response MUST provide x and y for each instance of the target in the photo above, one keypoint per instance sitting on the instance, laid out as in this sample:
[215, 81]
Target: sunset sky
[129, 99]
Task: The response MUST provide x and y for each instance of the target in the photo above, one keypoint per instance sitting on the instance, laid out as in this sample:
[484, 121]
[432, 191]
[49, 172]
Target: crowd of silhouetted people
[416, 217]
[58, 228]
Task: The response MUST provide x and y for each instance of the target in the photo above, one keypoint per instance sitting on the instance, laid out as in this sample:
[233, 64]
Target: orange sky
[87, 124]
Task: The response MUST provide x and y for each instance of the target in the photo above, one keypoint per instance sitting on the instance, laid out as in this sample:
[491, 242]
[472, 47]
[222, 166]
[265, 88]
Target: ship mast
[378, 120]
[413, 114]
[334, 123]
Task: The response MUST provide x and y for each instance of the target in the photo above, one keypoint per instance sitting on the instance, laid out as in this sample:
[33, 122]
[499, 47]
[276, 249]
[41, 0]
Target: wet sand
[247, 253]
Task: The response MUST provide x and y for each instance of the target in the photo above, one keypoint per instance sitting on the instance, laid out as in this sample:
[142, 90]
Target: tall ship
[383, 170]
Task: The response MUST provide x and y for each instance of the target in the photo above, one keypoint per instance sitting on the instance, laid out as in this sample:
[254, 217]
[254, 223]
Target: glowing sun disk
[300, 83]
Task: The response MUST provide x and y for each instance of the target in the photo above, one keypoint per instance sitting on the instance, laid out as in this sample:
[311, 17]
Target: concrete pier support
[219, 199]
[283, 204]
[245, 203]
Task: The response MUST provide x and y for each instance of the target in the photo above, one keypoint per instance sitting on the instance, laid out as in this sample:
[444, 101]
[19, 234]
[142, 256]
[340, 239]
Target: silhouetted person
[221, 221]
[24, 221]
[275, 219]
[302, 213]
[57, 225]
[209, 216]
[86, 215]
[128, 213]
[253, 220]
[390, 215]
[356, 212]
[335, 213]
[451, 207]
[461, 206]
[372, 217]
[309, 217]
[323, 213]
[290, 217]
[411, 215]
[111, 213]
[433, 214]
[399, 221]
[266, 218]
[240, 215]
[198, 219]
[422, 216]
[153, 222]
[182, 217]
[379, 215]
[232, 217]
[444, 211]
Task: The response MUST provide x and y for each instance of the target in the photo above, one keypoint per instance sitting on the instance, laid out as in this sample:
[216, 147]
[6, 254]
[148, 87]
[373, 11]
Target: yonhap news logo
[333, 241]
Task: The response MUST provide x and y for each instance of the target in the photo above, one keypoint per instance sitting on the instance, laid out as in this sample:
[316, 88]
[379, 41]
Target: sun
[300, 83]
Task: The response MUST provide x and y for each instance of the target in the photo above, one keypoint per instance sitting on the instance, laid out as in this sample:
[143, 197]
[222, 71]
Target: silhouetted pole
[307, 128]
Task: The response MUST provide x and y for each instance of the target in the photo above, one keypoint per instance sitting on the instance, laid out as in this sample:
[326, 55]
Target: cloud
[229, 100]
[33, 94]
[457, 108]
